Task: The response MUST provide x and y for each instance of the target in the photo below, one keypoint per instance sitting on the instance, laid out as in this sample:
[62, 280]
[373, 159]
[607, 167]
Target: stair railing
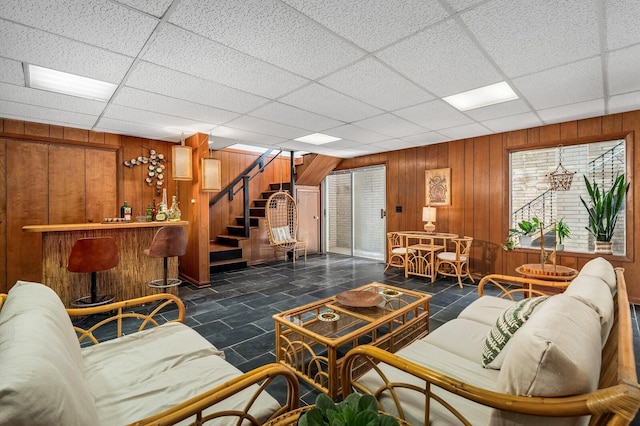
[540, 207]
[604, 166]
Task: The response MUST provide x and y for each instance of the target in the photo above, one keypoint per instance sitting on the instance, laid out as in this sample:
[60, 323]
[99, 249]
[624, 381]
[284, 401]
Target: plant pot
[525, 241]
[559, 247]
[604, 247]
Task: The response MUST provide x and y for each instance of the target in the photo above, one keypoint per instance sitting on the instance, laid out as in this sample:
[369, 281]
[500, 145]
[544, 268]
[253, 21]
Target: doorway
[355, 215]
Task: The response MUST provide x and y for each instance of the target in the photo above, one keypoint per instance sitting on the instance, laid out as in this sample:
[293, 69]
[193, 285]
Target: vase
[559, 247]
[525, 241]
[603, 247]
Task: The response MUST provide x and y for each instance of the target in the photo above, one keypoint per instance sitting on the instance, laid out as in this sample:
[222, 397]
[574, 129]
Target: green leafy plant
[355, 410]
[527, 227]
[603, 207]
[562, 230]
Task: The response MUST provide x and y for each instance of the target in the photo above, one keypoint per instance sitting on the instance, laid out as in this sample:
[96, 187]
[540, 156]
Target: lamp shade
[211, 175]
[428, 214]
[181, 162]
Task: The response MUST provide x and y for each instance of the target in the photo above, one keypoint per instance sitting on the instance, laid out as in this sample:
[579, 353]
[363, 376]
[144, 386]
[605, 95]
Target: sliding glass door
[355, 212]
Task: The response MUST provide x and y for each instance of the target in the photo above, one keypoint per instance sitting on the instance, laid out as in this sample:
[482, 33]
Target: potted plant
[355, 409]
[562, 231]
[525, 229]
[603, 209]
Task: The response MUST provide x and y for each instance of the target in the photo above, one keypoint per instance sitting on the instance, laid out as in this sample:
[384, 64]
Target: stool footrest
[85, 302]
[159, 283]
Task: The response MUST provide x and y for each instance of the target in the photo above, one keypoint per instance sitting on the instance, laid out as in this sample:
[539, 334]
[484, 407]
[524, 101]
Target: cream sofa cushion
[556, 353]
[601, 268]
[41, 381]
[486, 309]
[594, 292]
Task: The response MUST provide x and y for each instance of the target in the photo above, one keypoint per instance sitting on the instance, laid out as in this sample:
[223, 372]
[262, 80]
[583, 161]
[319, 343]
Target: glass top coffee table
[313, 338]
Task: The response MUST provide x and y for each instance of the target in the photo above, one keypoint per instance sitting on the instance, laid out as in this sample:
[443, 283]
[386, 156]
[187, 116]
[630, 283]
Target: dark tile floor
[235, 313]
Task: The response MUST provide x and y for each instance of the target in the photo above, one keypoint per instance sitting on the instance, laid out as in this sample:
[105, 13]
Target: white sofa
[571, 360]
[162, 374]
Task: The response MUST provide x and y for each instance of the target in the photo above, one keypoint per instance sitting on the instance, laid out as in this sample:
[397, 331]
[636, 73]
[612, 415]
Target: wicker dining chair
[456, 263]
[396, 251]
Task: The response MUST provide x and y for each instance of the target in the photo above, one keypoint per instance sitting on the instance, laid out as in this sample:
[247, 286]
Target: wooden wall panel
[66, 179]
[100, 186]
[3, 213]
[498, 199]
[27, 204]
[481, 204]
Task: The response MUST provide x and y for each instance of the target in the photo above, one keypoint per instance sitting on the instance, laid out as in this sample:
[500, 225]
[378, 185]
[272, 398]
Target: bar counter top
[103, 225]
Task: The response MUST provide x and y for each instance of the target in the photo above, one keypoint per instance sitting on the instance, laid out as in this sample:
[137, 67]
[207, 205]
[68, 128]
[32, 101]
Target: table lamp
[429, 216]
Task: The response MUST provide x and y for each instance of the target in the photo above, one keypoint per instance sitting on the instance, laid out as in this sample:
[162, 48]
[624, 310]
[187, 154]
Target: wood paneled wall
[480, 185]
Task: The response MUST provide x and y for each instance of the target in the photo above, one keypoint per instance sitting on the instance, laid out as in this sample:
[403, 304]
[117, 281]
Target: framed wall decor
[438, 187]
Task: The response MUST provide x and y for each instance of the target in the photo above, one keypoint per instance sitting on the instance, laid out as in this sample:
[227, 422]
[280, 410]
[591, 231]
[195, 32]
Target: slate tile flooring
[235, 312]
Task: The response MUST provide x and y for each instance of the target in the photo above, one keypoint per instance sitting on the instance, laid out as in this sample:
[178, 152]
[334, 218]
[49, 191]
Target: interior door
[308, 200]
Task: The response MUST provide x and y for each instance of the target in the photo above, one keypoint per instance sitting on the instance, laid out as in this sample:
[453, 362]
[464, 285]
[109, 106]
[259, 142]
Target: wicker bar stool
[169, 241]
[93, 255]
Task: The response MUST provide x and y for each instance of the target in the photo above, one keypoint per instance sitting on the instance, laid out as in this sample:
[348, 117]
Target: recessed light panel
[67, 84]
[482, 96]
[317, 139]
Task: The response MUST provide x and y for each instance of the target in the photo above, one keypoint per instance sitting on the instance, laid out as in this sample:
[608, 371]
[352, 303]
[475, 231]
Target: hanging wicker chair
[281, 212]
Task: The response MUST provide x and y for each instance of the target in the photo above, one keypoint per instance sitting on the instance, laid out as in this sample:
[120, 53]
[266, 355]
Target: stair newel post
[245, 197]
[291, 173]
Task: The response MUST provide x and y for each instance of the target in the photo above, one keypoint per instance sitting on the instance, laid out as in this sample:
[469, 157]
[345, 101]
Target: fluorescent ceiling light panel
[68, 84]
[317, 139]
[482, 96]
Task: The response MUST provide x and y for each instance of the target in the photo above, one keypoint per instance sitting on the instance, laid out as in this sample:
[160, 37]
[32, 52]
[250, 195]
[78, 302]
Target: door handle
[383, 213]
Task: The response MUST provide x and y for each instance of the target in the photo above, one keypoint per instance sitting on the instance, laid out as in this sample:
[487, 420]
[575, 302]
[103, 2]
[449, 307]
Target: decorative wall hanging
[154, 166]
[438, 187]
[560, 179]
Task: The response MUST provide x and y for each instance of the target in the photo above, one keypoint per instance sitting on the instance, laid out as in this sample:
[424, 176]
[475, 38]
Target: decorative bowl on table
[390, 293]
[328, 316]
[359, 298]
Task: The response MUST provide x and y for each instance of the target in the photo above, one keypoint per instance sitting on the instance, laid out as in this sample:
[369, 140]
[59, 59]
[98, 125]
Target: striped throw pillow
[506, 325]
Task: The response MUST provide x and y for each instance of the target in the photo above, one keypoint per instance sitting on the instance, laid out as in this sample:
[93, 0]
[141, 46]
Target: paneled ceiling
[372, 72]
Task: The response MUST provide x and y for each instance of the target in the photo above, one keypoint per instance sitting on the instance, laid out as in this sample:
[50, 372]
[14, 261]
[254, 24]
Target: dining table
[422, 248]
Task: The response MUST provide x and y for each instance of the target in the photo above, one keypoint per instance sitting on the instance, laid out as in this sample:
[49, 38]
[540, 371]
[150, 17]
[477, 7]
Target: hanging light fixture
[560, 179]
[181, 161]
[211, 174]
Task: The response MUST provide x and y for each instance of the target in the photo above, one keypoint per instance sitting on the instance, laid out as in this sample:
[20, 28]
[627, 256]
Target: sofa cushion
[41, 380]
[594, 292]
[460, 336]
[556, 353]
[510, 321]
[144, 373]
[601, 268]
[486, 309]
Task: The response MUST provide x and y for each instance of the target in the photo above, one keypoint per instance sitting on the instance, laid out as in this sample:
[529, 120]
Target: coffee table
[313, 338]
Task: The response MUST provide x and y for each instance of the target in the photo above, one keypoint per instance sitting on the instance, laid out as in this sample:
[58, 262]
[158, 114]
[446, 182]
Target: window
[532, 196]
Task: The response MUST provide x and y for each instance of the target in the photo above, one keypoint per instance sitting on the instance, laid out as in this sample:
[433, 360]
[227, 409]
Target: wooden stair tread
[227, 262]
[233, 237]
[220, 247]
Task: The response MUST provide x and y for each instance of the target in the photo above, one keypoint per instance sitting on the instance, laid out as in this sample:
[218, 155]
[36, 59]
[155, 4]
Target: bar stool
[168, 241]
[93, 255]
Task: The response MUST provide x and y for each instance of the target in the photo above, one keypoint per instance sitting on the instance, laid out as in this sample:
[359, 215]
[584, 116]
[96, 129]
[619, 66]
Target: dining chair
[456, 263]
[396, 251]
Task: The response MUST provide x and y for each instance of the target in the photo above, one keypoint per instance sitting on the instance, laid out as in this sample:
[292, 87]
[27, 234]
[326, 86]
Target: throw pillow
[505, 327]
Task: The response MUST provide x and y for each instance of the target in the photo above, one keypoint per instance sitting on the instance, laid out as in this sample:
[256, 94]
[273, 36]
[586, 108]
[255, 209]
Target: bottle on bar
[174, 211]
[125, 211]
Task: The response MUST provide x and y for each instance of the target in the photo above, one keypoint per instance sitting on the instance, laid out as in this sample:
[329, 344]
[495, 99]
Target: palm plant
[603, 207]
[562, 230]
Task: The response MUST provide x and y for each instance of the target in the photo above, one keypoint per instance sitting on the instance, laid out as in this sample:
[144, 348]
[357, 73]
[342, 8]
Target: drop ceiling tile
[165, 81]
[286, 114]
[301, 146]
[393, 144]
[459, 5]
[243, 136]
[576, 111]
[500, 110]
[372, 24]
[268, 30]
[266, 127]
[40, 114]
[525, 37]
[155, 8]
[100, 23]
[568, 84]
[342, 144]
[442, 59]
[56, 101]
[390, 125]
[48, 50]
[355, 133]
[162, 121]
[327, 102]
[161, 104]
[356, 152]
[623, 69]
[468, 131]
[184, 51]
[374, 83]
[434, 115]
[427, 138]
[11, 72]
[622, 103]
[140, 130]
[513, 122]
[622, 23]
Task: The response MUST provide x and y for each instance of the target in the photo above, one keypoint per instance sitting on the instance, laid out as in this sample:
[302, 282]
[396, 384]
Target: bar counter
[125, 281]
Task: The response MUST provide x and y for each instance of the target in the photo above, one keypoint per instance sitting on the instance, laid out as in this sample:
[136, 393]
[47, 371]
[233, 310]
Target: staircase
[228, 252]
